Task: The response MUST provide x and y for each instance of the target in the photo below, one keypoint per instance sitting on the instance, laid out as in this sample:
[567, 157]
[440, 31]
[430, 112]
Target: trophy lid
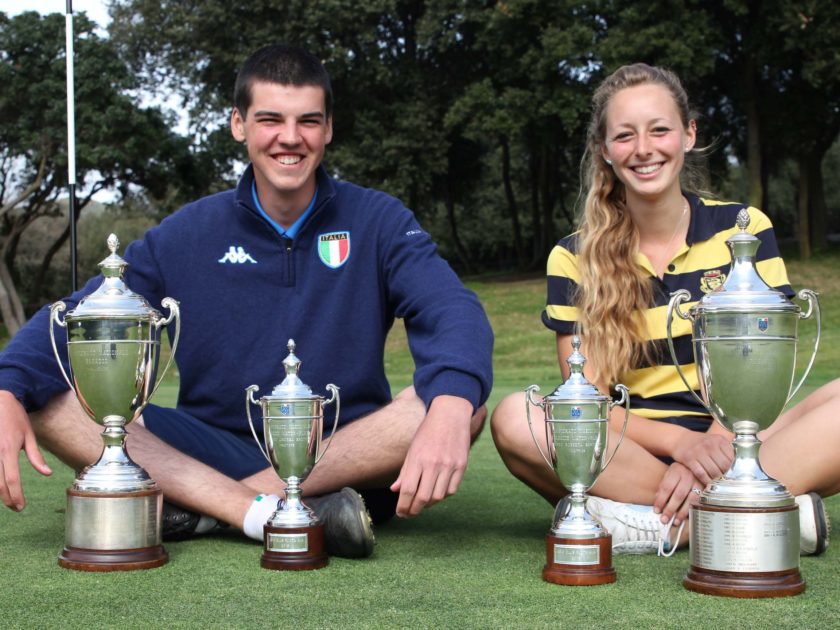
[744, 288]
[576, 386]
[113, 298]
[292, 386]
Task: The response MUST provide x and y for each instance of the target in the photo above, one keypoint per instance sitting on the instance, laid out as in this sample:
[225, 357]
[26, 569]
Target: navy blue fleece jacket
[238, 311]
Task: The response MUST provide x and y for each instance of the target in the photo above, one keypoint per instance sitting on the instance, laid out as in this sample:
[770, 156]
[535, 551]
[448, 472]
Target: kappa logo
[237, 255]
[334, 248]
[712, 281]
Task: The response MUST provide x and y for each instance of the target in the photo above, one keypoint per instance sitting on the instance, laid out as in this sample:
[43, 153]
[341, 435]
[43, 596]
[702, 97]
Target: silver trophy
[113, 343]
[293, 419]
[745, 530]
[578, 548]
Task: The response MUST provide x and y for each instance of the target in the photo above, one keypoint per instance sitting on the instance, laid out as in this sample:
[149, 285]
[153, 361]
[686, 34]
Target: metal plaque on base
[745, 529]
[113, 342]
[578, 548]
[293, 419]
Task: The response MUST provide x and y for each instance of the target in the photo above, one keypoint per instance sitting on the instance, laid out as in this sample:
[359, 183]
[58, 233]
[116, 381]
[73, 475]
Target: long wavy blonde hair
[614, 291]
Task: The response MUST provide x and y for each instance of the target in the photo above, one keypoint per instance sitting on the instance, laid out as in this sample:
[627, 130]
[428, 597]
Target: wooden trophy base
[112, 560]
[724, 540]
[294, 548]
[113, 531]
[744, 585]
[575, 562]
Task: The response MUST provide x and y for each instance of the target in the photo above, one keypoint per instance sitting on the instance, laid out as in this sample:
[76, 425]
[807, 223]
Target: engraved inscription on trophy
[288, 543]
[582, 555]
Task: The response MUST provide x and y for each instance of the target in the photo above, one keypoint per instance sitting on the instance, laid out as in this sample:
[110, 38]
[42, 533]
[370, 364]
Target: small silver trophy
[745, 530]
[293, 419]
[113, 342]
[578, 548]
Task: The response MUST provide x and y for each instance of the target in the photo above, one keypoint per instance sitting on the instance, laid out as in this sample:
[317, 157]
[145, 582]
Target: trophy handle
[529, 400]
[813, 308]
[624, 400]
[249, 398]
[55, 309]
[677, 298]
[335, 397]
[174, 313]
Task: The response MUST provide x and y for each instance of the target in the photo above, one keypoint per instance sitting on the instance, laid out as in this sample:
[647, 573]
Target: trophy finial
[291, 362]
[743, 219]
[113, 243]
[576, 360]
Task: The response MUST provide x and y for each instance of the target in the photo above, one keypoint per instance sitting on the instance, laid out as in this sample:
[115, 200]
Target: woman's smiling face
[646, 140]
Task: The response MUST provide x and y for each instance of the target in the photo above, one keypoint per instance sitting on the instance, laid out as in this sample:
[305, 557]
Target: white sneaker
[635, 528]
[814, 526]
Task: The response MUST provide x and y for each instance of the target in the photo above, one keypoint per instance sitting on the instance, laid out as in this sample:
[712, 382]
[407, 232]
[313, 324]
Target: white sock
[261, 509]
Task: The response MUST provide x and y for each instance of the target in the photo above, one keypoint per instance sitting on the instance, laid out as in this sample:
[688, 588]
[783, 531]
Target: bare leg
[516, 446]
[367, 453]
[64, 429]
[800, 448]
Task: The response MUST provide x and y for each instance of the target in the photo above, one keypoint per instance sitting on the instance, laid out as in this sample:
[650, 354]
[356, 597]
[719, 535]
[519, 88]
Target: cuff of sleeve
[453, 383]
[557, 325]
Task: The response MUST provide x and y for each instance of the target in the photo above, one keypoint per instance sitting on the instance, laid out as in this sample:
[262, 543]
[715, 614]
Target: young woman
[643, 235]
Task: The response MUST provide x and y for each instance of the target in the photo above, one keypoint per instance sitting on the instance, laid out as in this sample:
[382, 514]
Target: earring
[608, 161]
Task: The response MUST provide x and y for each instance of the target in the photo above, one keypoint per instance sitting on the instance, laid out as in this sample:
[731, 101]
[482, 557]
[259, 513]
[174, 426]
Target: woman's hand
[676, 493]
[706, 455]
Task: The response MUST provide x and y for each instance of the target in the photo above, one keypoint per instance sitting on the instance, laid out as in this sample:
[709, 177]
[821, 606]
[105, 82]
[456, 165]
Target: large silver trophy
[578, 548]
[293, 419]
[745, 529]
[113, 343]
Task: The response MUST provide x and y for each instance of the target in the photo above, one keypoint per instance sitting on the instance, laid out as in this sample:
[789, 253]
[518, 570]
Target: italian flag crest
[334, 248]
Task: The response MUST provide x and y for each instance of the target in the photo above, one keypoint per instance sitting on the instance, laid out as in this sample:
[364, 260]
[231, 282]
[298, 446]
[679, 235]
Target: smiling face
[646, 139]
[286, 131]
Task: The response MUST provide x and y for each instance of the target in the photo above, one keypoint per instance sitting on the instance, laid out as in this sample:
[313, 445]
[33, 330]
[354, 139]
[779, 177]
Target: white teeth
[647, 169]
[289, 159]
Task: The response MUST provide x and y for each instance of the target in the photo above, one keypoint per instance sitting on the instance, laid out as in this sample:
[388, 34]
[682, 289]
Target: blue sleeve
[449, 334]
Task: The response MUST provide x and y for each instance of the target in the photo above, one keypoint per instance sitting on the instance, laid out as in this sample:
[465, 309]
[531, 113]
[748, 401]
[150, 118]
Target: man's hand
[16, 434]
[437, 458]
[675, 493]
[706, 455]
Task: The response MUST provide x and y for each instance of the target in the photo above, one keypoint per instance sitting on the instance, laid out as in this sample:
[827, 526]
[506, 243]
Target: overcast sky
[95, 9]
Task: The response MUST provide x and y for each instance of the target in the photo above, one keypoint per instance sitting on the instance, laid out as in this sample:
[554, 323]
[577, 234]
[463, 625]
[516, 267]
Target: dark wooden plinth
[575, 574]
[745, 585]
[112, 559]
[315, 558]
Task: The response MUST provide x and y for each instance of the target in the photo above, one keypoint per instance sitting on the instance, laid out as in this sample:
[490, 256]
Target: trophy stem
[746, 466]
[114, 471]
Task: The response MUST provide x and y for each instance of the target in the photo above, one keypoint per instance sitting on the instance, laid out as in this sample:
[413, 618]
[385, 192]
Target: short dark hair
[284, 65]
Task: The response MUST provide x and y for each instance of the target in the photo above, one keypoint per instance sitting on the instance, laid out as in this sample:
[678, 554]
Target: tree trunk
[803, 227]
[756, 189]
[11, 308]
[511, 203]
[817, 206]
[460, 250]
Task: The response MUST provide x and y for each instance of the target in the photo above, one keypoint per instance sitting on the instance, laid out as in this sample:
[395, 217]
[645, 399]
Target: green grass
[473, 561]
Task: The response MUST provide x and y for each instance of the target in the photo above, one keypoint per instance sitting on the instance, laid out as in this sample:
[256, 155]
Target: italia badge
[334, 248]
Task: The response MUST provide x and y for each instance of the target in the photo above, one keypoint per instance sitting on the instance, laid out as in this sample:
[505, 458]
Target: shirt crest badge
[712, 281]
[334, 248]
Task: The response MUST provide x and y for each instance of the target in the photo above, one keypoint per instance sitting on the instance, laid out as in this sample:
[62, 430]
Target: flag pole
[71, 141]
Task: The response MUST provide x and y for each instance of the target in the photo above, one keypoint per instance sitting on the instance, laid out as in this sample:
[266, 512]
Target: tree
[118, 142]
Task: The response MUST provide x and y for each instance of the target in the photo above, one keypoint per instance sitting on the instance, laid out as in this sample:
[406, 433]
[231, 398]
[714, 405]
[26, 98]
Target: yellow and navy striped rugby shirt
[701, 265]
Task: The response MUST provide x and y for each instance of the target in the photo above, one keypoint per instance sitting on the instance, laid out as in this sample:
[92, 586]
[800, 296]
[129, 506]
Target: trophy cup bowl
[578, 548]
[113, 342]
[292, 429]
[745, 529]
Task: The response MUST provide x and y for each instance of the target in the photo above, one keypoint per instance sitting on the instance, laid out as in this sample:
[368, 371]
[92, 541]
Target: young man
[251, 268]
